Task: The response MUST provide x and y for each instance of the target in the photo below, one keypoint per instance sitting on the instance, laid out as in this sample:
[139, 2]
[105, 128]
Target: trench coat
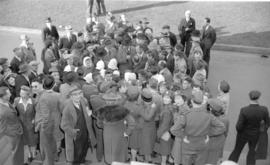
[68, 123]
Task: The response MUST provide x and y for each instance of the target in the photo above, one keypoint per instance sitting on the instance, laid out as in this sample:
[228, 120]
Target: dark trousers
[206, 58]
[101, 5]
[90, 7]
[100, 145]
[186, 42]
[241, 141]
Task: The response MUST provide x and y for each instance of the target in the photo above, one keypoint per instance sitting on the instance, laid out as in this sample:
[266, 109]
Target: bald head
[188, 14]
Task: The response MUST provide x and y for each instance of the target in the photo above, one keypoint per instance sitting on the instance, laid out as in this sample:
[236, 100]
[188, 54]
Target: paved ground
[240, 23]
[243, 71]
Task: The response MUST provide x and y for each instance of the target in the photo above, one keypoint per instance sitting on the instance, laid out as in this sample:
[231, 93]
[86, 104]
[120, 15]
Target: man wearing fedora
[17, 60]
[248, 127]
[68, 40]
[11, 142]
[187, 25]
[208, 39]
[27, 48]
[47, 121]
[22, 78]
[50, 31]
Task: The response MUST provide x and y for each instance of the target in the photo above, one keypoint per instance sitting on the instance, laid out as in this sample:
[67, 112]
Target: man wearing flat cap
[252, 119]
[50, 31]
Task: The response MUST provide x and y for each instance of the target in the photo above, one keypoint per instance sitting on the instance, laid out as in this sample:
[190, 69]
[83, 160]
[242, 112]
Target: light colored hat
[34, 63]
[112, 64]
[24, 37]
[100, 65]
[67, 56]
[68, 27]
[129, 76]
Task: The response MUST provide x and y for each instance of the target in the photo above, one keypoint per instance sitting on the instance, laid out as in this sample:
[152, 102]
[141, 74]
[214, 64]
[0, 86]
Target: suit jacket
[66, 43]
[20, 80]
[250, 118]
[48, 114]
[170, 63]
[186, 24]
[46, 32]
[208, 37]
[68, 123]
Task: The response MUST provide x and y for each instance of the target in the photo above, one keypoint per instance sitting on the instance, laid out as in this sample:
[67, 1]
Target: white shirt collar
[29, 101]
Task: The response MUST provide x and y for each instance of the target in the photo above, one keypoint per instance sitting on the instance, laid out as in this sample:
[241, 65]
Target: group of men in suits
[208, 35]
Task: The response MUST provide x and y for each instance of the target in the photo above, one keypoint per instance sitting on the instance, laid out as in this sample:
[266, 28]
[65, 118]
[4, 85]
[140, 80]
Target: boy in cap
[248, 127]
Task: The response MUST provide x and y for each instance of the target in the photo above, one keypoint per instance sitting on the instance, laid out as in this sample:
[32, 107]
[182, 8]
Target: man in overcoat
[77, 125]
[186, 27]
[47, 121]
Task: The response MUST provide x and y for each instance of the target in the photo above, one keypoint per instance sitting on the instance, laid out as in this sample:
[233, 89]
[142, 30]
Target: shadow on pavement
[257, 39]
[157, 4]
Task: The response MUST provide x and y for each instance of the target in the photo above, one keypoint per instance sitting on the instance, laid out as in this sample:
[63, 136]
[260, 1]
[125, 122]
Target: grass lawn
[240, 23]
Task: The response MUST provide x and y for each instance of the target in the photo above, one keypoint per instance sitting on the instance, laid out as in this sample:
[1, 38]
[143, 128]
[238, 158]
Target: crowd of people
[122, 92]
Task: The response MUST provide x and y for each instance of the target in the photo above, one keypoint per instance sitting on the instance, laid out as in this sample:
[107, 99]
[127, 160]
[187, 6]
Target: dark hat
[133, 92]
[48, 19]
[48, 82]
[197, 97]
[24, 68]
[166, 27]
[196, 33]
[224, 86]
[254, 95]
[146, 95]
[126, 40]
[3, 61]
[100, 51]
[70, 77]
[216, 105]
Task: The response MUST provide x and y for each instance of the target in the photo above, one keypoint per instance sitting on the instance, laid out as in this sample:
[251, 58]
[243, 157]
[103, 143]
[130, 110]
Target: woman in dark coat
[149, 130]
[134, 109]
[9, 81]
[26, 110]
[164, 141]
[115, 132]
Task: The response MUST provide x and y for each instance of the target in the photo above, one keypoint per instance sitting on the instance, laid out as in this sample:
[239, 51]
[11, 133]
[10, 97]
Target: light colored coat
[68, 123]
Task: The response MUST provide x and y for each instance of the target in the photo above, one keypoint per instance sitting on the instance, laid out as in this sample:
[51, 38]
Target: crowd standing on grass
[117, 90]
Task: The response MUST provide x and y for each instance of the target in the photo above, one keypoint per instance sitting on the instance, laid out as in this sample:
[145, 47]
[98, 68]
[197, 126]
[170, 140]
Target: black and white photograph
[134, 82]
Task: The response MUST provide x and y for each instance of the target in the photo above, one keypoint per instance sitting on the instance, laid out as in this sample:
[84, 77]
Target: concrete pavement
[244, 72]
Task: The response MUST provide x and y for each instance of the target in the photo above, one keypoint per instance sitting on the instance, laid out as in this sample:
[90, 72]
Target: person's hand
[186, 29]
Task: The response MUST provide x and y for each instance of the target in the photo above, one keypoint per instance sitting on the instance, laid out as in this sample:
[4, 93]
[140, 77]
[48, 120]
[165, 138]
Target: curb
[217, 46]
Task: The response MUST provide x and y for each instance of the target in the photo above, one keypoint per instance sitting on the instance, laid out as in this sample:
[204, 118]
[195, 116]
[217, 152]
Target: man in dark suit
[50, 31]
[208, 39]
[22, 78]
[17, 60]
[68, 40]
[248, 128]
[187, 25]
